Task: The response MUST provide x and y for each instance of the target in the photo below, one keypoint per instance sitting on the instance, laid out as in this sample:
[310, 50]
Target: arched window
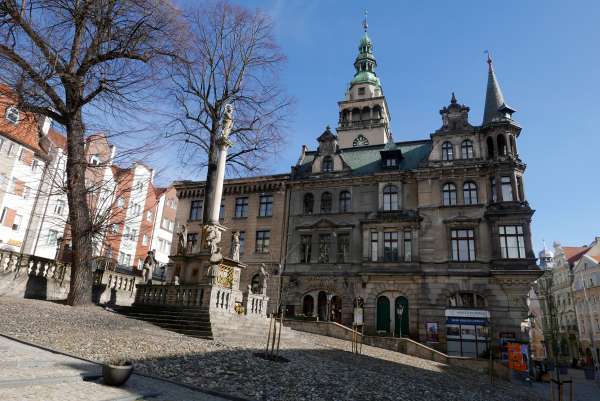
[308, 203]
[326, 202]
[390, 197]
[490, 147]
[355, 114]
[256, 284]
[308, 305]
[360, 140]
[345, 201]
[377, 112]
[327, 164]
[467, 149]
[447, 151]
[366, 113]
[470, 193]
[501, 145]
[449, 194]
[12, 114]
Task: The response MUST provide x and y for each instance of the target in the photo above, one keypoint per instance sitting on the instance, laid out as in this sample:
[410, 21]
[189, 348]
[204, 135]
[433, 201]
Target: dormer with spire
[364, 117]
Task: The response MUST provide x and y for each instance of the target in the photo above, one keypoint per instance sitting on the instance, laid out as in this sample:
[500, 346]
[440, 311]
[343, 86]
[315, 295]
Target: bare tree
[232, 59]
[64, 56]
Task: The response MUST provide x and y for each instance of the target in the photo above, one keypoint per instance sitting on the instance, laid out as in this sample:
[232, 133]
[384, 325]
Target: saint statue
[148, 268]
[227, 120]
[181, 240]
[235, 246]
[213, 238]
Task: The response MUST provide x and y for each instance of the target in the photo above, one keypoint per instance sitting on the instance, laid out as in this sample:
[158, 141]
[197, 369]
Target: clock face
[360, 141]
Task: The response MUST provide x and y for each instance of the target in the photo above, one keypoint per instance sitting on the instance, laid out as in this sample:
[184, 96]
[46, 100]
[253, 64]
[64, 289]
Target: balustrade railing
[222, 299]
[169, 294]
[17, 263]
[257, 304]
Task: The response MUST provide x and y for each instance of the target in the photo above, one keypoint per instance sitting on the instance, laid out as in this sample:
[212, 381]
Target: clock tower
[364, 118]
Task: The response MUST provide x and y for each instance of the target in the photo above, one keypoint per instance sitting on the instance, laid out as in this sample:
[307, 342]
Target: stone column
[224, 143]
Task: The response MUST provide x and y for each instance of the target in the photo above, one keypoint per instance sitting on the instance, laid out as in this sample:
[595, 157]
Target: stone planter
[116, 375]
[589, 373]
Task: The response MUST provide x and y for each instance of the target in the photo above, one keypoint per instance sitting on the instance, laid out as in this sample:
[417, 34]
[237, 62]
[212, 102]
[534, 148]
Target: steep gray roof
[366, 160]
[493, 96]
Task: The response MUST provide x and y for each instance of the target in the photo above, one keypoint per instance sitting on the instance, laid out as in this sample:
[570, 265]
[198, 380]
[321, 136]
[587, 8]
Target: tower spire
[495, 107]
[365, 23]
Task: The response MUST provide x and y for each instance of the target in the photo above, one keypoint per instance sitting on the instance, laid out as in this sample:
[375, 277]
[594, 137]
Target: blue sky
[546, 59]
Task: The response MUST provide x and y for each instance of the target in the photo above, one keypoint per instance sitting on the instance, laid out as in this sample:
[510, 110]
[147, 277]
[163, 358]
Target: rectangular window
[196, 210]
[52, 237]
[266, 206]
[305, 248]
[126, 232]
[324, 247]
[493, 189]
[374, 246]
[507, 192]
[34, 165]
[192, 240]
[361, 91]
[149, 215]
[512, 242]
[262, 241]
[222, 211]
[133, 235]
[343, 248]
[407, 246]
[59, 207]
[463, 245]
[241, 207]
[391, 162]
[390, 246]
[4, 215]
[520, 191]
[145, 240]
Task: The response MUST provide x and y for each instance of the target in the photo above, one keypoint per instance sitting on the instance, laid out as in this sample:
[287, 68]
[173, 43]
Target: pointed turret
[495, 107]
[365, 62]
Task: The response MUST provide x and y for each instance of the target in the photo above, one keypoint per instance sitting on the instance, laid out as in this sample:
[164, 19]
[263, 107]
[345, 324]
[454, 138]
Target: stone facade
[433, 235]
[254, 207]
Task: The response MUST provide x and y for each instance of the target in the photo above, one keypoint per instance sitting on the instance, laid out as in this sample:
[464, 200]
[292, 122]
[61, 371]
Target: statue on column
[148, 268]
[213, 238]
[181, 249]
[227, 120]
[235, 246]
[266, 275]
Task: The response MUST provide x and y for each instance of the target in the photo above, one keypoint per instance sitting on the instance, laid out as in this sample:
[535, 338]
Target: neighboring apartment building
[32, 165]
[256, 208]
[586, 297]
[432, 235]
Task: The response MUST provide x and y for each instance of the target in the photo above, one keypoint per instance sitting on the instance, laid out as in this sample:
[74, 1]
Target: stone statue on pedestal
[235, 246]
[148, 268]
[181, 249]
[227, 120]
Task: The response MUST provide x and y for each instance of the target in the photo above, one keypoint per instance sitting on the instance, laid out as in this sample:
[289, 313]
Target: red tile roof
[574, 253]
[58, 139]
[26, 131]
[596, 258]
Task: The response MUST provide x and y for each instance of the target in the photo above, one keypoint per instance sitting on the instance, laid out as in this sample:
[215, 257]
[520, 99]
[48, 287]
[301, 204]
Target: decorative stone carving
[235, 246]
[181, 249]
[150, 264]
[213, 239]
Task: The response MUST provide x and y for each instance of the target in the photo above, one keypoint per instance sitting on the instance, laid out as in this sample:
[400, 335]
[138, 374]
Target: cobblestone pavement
[320, 368]
[31, 373]
[583, 390]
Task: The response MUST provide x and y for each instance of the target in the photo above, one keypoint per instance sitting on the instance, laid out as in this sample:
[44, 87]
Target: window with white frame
[52, 237]
[145, 240]
[59, 207]
[149, 215]
[12, 114]
[17, 222]
[120, 201]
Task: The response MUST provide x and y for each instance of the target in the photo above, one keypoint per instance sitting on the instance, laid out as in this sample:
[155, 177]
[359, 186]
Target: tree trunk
[80, 291]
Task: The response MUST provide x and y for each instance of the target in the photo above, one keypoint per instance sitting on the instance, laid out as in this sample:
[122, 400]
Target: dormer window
[12, 115]
[390, 162]
[327, 164]
[361, 91]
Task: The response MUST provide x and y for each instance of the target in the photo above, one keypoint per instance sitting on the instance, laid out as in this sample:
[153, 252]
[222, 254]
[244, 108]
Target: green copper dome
[365, 63]
[364, 41]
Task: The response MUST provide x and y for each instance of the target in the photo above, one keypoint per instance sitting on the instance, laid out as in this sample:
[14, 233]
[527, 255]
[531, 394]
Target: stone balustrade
[256, 304]
[170, 294]
[223, 298]
[13, 262]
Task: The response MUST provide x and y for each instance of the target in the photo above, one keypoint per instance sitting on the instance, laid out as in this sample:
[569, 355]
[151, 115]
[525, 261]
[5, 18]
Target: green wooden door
[401, 322]
[383, 314]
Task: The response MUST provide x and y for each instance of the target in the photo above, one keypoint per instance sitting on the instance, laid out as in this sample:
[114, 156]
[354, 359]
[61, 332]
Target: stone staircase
[220, 325]
[194, 322]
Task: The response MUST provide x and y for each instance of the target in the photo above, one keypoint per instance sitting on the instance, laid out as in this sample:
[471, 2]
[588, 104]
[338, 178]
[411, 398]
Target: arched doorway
[383, 314]
[322, 306]
[336, 309]
[401, 328]
[308, 305]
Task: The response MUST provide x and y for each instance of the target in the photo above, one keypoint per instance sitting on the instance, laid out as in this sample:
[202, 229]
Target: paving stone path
[31, 373]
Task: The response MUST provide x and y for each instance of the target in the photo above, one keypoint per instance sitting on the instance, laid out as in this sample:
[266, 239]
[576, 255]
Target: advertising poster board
[517, 360]
[432, 332]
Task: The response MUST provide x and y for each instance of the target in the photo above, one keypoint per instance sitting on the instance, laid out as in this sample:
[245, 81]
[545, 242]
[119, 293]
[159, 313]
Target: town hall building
[431, 236]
